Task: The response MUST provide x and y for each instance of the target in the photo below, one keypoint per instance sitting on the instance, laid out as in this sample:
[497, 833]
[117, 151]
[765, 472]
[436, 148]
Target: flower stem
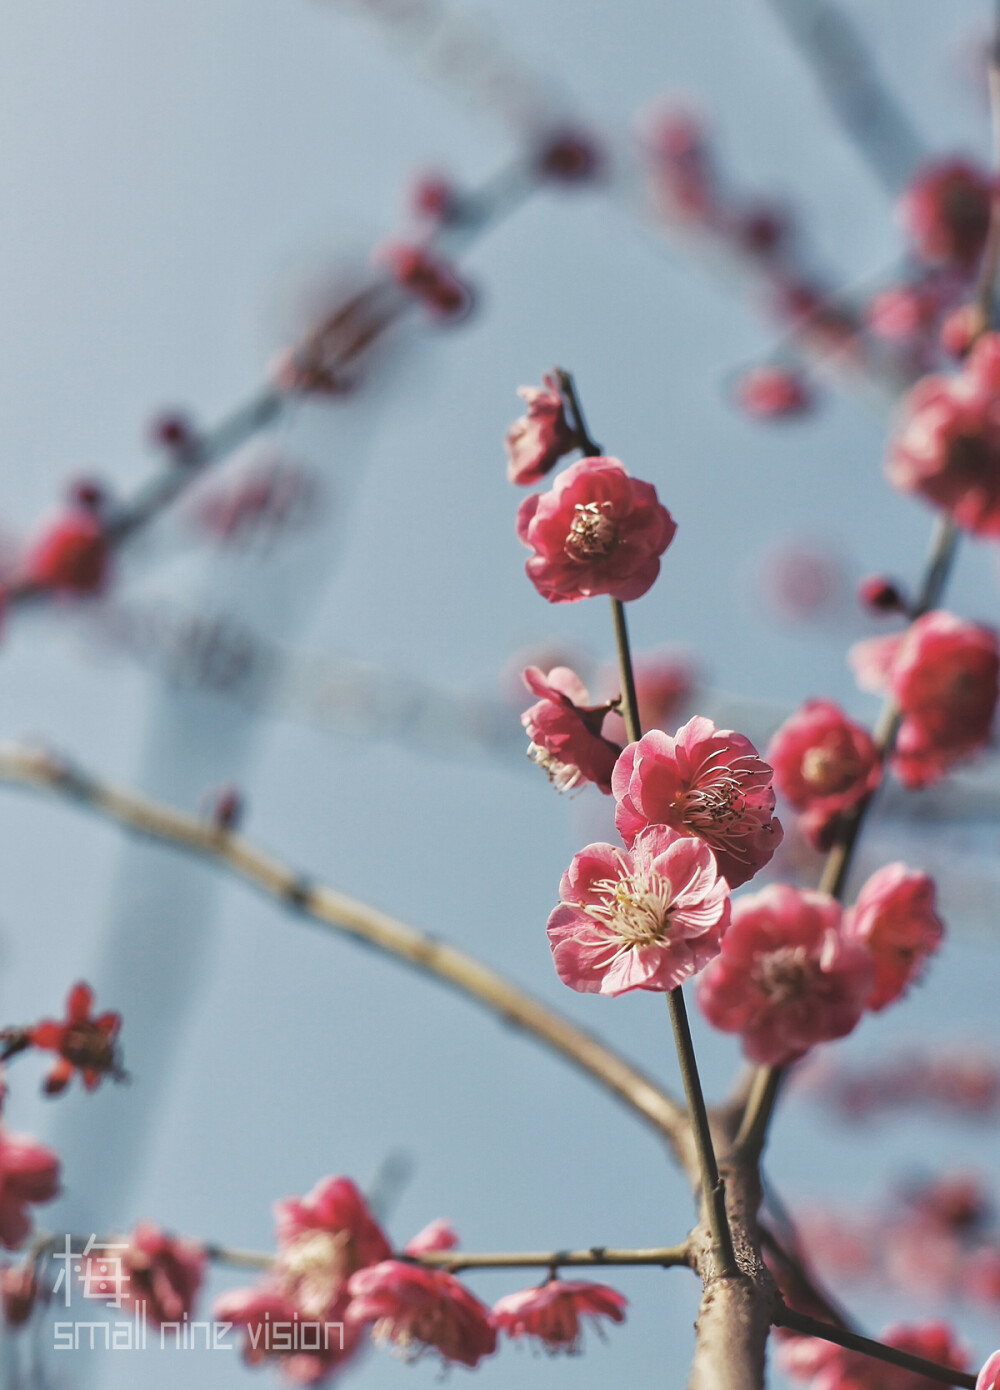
[713, 1188]
[812, 1327]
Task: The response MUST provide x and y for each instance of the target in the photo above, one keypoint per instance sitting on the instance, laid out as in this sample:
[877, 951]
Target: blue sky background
[174, 174]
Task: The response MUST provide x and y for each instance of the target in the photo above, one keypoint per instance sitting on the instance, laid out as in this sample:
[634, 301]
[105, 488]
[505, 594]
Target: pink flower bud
[880, 595]
[946, 212]
[771, 393]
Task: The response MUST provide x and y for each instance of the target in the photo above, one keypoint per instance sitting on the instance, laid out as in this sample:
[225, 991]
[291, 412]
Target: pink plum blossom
[323, 1239]
[895, 918]
[598, 531]
[415, 1309]
[786, 977]
[29, 1173]
[946, 212]
[565, 731]
[824, 764]
[943, 674]
[432, 282]
[773, 393]
[272, 1324]
[553, 1312]
[946, 446]
[647, 918]
[989, 1376]
[702, 781]
[539, 439]
[164, 1273]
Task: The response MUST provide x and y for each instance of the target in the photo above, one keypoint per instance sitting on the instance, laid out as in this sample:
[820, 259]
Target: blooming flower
[306, 1350]
[164, 1274]
[538, 440]
[29, 1173]
[553, 1312]
[771, 393]
[943, 673]
[946, 212]
[989, 1376]
[786, 977]
[703, 781]
[322, 1240]
[647, 918]
[829, 1367]
[894, 918]
[84, 1043]
[947, 444]
[565, 731]
[824, 764]
[71, 555]
[598, 531]
[415, 1309]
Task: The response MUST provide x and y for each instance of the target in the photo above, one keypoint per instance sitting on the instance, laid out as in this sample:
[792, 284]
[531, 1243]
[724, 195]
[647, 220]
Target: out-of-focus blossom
[538, 440]
[598, 531]
[29, 1174]
[664, 684]
[825, 764]
[946, 212]
[895, 919]
[981, 1276]
[762, 230]
[163, 1273]
[415, 1309]
[801, 580]
[266, 497]
[647, 918]
[676, 146]
[175, 431]
[989, 1376]
[786, 977]
[323, 1239]
[436, 285]
[307, 1350]
[570, 156]
[961, 328]
[773, 393]
[18, 1292]
[880, 595]
[438, 1235]
[956, 1202]
[436, 197]
[829, 1367]
[702, 781]
[963, 1081]
[947, 444]
[71, 555]
[943, 673]
[554, 1311]
[85, 1043]
[565, 731]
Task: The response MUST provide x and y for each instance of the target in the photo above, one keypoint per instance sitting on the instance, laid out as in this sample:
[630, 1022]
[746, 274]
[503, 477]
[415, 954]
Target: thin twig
[260, 869]
[842, 1337]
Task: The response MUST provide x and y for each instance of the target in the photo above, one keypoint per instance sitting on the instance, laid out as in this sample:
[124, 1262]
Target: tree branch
[21, 767]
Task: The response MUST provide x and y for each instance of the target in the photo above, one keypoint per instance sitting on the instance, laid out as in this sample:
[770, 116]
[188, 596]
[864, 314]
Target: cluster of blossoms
[335, 1265]
[960, 1082]
[930, 1239]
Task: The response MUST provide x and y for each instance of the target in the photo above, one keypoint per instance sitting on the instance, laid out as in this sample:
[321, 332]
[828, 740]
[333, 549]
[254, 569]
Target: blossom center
[87, 1047]
[592, 533]
[315, 1266]
[784, 975]
[636, 907]
[563, 776]
[971, 455]
[713, 806]
[827, 769]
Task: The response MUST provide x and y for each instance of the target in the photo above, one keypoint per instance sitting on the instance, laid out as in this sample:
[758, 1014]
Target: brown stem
[842, 1337]
[340, 913]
